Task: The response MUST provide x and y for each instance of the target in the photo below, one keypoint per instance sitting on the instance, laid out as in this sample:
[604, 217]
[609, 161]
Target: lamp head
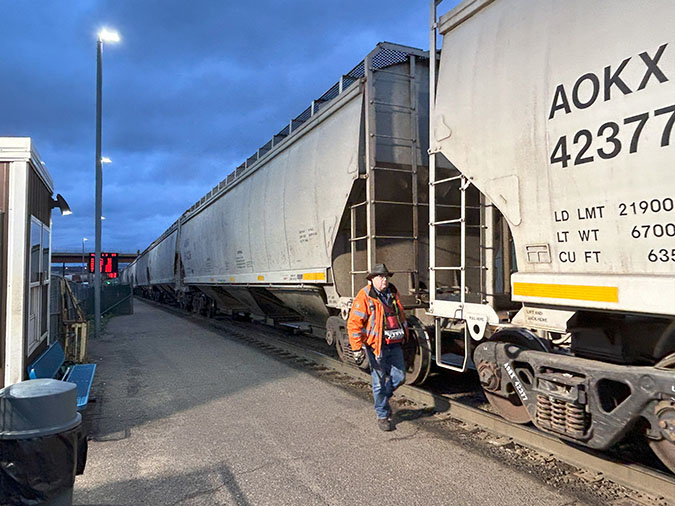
[106, 35]
[61, 203]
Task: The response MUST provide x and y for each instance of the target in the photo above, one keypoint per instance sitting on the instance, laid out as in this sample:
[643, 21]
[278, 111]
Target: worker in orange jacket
[377, 324]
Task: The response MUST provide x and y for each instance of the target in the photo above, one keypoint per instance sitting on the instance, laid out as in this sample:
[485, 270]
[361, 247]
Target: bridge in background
[76, 257]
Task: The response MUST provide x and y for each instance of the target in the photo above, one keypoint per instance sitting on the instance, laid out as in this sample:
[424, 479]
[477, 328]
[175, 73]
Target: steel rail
[635, 476]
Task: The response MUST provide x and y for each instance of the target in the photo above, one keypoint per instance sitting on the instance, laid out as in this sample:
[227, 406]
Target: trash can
[42, 443]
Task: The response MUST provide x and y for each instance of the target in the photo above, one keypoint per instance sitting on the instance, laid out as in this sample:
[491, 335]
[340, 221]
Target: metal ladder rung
[358, 238]
[358, 205]
[447, 222]
[394, 138]
[394, 202]
[441, 206]
[392, 105]
[397, 74]
[394, 237]
[358, 272]
[446, 180]
[457, 268]
[457, 206]
[391, 169]
[454, 222]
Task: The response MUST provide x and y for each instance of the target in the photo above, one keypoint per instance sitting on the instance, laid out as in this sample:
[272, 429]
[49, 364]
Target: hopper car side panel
[141, 276]
[267, 211]
[566, 124]
[206, 239]
[279, 224]
[128, 274]
[161, 261]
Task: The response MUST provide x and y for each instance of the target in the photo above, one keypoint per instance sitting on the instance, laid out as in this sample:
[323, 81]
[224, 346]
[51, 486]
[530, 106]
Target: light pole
[83, 264]
[103, 36]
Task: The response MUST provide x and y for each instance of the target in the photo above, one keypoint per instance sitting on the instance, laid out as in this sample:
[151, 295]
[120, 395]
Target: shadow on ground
[216, 484]
[408, 415]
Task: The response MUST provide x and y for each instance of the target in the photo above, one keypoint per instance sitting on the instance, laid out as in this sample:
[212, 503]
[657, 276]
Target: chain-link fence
[115, 299]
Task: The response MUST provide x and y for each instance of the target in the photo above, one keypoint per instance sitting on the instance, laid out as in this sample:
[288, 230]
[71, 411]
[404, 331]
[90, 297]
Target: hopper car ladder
[374, 103]
[456, 311]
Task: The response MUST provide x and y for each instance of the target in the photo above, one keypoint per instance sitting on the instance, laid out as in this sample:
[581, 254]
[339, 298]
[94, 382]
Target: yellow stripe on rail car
[574, 292]
[314, 276]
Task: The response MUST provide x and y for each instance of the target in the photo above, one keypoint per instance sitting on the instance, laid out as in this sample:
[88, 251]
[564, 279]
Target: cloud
[190, 92]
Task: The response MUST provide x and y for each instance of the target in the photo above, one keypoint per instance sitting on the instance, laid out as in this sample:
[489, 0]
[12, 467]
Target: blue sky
[191, 91]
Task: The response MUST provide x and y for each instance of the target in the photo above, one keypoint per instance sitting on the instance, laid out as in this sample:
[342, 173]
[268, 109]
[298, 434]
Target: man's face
[380, 282]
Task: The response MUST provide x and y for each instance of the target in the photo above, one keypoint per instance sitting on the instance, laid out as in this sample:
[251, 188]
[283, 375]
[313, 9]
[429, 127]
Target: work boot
[384, 424]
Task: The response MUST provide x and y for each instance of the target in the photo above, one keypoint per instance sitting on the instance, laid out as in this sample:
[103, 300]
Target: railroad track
[656, 484]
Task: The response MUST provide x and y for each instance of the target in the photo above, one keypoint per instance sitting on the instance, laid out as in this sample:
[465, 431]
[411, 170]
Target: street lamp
[83, 264]
[104, 35]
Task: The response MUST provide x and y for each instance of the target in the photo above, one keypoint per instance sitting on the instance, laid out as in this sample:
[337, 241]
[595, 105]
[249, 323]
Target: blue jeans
[388, 374]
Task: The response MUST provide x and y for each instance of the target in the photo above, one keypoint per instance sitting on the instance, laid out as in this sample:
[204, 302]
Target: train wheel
[336, 330]
[665, 412]
[417, 353]
[508, 406]
[212, 309]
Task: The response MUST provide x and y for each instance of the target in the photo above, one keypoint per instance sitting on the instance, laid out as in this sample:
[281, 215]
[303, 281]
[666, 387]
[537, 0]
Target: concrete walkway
[187, 416]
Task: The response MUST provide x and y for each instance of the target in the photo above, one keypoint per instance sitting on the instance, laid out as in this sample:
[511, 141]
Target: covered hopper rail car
[520, 186]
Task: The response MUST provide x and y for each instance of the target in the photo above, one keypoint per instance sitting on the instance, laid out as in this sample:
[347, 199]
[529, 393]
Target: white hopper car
[289, 235]
[539, 228]
[561, 114]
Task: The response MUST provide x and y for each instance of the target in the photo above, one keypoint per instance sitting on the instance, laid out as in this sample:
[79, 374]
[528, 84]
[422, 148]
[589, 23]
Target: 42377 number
[610, 132]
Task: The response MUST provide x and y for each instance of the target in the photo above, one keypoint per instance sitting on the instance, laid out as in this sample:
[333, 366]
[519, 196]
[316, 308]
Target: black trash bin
[42, 443]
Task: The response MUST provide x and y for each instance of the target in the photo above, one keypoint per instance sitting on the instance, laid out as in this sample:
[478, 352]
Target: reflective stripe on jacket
[366, 319]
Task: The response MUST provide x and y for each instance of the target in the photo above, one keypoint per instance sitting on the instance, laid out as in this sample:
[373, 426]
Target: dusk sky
[192, 89]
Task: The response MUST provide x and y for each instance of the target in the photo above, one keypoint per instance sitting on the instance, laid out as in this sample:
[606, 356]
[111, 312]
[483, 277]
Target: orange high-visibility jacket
[366, 319]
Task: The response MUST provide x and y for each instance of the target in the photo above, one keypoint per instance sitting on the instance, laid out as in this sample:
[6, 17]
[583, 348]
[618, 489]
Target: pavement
[185, 415]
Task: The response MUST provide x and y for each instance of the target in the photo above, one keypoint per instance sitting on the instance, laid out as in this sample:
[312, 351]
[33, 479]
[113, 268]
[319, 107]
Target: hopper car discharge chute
[561, 115]
[289, 236]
